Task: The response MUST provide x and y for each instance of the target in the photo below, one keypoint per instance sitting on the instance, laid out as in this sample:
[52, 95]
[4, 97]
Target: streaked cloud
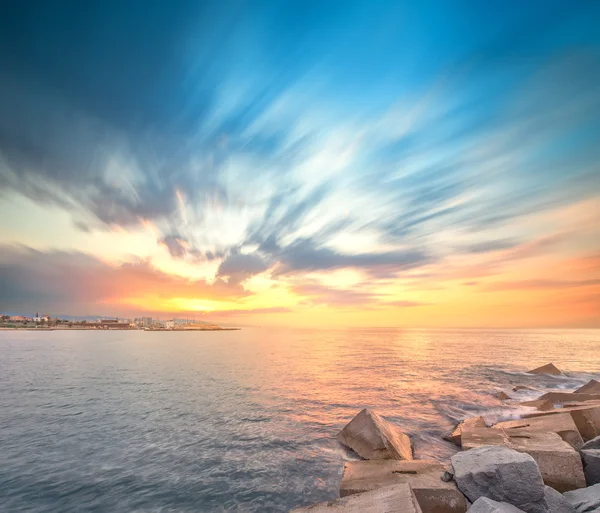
[542, 284]
[81, 284]
[251, 150]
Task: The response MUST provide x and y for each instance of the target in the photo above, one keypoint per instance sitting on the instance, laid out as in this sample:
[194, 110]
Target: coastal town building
[114, 324]
[19, 318]
[146, 322]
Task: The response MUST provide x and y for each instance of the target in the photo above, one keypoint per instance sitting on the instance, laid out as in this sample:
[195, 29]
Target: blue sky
[241, 141]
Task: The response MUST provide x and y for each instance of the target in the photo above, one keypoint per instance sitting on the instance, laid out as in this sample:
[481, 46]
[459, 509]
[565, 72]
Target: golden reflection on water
[422, 379]
[250, 417]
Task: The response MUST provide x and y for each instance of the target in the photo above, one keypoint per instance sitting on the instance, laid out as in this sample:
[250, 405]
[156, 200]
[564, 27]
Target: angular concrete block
[561, 424]
[559, 464]
[424, 477]
[374, 438]
[549, 368]
[397, 498]
[568, 397]
[591, 387]
[539, 404]
[473, 422]
[585, 416]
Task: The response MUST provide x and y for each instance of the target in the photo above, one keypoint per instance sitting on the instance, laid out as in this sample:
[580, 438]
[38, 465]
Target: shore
[546, 461]
[90, 328]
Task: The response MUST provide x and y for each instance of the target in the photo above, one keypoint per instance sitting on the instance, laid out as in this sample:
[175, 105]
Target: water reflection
[241, 420]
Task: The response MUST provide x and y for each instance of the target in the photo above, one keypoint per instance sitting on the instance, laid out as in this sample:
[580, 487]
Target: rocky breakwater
[546, 462]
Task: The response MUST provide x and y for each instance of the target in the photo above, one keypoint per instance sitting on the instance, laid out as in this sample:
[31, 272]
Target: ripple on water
[244, 420]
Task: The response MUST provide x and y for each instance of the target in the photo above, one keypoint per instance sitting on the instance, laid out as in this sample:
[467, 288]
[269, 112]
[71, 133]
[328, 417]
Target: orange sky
[321, 170]
[549, 281]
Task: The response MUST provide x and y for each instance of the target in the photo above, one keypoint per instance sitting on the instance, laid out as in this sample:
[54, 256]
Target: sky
[312, 164]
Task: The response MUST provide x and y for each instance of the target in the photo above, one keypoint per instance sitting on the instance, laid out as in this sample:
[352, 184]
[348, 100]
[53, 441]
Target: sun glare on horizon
[354, 164]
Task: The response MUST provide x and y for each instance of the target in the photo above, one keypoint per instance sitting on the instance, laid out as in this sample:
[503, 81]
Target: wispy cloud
[285, 141]
[541, 284]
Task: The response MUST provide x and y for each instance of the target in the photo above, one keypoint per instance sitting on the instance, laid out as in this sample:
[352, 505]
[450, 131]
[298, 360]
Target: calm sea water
[242, 420]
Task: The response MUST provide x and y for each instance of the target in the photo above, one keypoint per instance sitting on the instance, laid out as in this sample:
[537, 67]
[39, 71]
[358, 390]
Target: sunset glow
[313, 176]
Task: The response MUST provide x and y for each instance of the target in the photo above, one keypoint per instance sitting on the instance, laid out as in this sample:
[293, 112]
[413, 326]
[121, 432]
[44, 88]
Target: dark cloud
[176, 246]
[286, 212]
[113, 107]
[78, 284]
[237, 266]
[491, 245]
[303, 255]
[92, 92]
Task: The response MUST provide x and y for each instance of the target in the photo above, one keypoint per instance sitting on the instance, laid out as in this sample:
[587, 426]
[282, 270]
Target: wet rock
[549, 368]
[585, 416]
[518, 388]
[594, 443]
[591, 466]
[465, 425]
[447, 476]
[374, 438]
[503, 396]
[561, 424]
[398, 498]
[501, 474]
[586, 403]
[591, 387]
[539, 404]
[424, 477]
[485, 505]
[557, 503]
[563, 397]
[560, 465]
[585, 500]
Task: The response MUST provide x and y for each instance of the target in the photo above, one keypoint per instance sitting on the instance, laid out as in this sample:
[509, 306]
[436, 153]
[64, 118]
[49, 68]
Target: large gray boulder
[501, 474]
[374, 438]
[594, 443]
[590, 455]
[557, 503]
[485, 505]
[585, 500]
[591, 466]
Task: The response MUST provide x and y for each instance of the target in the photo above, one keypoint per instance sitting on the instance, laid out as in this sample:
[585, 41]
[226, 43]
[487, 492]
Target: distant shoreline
[82, 328]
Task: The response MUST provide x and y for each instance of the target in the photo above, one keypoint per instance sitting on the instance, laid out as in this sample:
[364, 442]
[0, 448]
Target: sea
[134, 421]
